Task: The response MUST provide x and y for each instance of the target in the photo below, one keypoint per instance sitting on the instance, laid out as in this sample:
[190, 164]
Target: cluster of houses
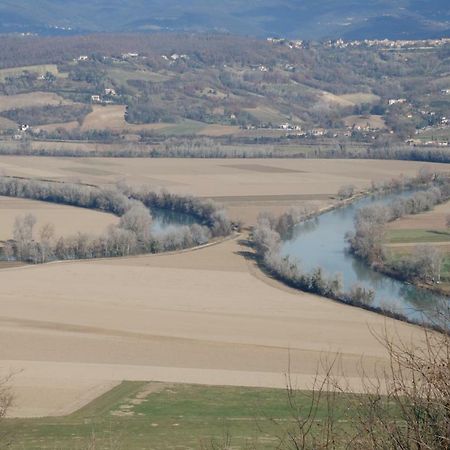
[420, 143]
[260, 67]
[130, 55]
[290, 127]
[388, 43]
[294, 130]
[104, 98]
[175, 57]
[397, 101]
[123, 57]
[297, 44]
[377, 43]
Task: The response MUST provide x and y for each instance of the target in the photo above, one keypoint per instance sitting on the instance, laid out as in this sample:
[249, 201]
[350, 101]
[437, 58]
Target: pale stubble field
[209, 316]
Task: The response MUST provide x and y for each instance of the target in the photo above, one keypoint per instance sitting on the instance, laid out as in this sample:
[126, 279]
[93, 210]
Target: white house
[396, 101]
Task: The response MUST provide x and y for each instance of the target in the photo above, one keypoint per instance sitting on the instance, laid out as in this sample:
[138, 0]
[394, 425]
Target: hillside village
[252, 96]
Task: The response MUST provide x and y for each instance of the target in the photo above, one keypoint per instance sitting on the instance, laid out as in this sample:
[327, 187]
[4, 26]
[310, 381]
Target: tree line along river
[321, 242]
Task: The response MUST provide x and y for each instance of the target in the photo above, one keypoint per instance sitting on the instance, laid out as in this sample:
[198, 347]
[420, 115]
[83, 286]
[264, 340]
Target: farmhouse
[110, 91]
[130, 55]
[397, 101]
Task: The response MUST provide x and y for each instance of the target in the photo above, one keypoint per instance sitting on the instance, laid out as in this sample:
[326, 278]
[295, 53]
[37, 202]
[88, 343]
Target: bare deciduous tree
[23, 236]
[46, 242]
[346, 191]
[6, 399]
[139, 221]
[428, 260]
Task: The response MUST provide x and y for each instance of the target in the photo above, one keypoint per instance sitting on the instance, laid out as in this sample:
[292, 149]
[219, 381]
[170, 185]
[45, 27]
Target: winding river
[321, 243]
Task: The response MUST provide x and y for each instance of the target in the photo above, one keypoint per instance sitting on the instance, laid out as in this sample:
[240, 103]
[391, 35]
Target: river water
[166, 221]
[321, 243]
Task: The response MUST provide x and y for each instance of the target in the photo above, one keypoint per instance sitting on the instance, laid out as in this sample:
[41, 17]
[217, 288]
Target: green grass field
[122, 75]
[445, 273]
[141, 415]
[421, 237]
[417, 236]
[186, 127]
[439, 134]
[40, 69]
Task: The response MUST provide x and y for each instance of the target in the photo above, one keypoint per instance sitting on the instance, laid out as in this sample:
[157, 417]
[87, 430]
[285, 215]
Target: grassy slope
[39, 69]
[173, 416]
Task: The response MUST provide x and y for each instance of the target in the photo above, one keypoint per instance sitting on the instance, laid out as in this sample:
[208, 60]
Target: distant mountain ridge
[304, 19]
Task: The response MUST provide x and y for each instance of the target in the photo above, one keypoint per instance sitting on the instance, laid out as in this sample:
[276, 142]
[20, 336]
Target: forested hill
[304, 19]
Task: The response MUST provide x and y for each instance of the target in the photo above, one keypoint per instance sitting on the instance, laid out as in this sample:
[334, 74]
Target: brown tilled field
[32, 99]
[67, 220]
[363, 121]
[6, 124]
[112, 117]
[71, 330]
[246, 186]
[431, 220]
[207, 316]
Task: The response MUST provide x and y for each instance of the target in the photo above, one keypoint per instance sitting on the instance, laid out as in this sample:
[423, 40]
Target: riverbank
[325, 251]
[423, 268]
[208, 316]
